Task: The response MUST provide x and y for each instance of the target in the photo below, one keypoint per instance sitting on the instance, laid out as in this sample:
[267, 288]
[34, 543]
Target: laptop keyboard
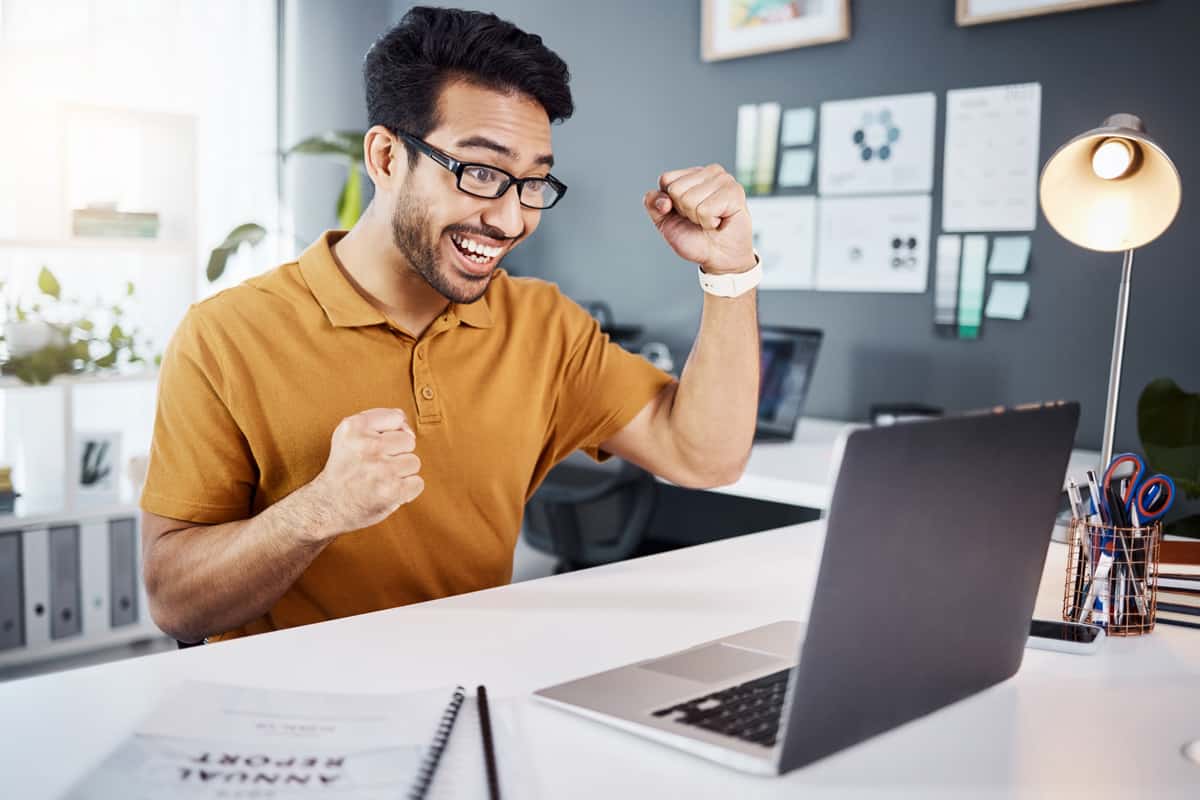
[749, 711]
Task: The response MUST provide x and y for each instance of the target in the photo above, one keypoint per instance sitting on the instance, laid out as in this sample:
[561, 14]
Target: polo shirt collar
[346, 308]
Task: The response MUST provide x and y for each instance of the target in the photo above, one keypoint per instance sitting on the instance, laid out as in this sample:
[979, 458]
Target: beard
[410, 232]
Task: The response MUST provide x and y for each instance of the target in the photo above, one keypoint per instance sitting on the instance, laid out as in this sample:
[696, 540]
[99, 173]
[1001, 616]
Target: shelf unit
[71, 582]
[120, 243]
[60, 553]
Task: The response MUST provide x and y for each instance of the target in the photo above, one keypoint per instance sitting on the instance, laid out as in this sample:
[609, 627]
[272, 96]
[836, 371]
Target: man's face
[453, 239]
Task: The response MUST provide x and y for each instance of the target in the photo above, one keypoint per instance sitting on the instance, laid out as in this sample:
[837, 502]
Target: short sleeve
[201, 469]
[603, 387]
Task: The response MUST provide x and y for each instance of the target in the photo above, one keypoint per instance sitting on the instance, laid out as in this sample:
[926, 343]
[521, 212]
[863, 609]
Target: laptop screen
[788, 358]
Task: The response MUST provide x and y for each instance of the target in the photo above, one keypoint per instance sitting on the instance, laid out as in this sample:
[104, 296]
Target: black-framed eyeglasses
[488, 182]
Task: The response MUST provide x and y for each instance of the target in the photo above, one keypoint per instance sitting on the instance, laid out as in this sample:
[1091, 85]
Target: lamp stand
[1118, 352]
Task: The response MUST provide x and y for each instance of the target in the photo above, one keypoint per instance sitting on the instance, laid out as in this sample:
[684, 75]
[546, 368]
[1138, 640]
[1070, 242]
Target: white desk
[1042, 734]
[800, 472]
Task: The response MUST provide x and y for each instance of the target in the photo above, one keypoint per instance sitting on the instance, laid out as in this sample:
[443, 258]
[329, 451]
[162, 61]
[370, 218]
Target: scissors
[1150, 496]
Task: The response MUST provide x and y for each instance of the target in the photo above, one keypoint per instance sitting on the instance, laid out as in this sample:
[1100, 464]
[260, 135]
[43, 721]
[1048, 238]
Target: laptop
[936, 538]
[788, 356]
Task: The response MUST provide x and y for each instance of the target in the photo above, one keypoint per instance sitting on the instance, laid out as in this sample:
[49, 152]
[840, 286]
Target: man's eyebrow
[489, 144]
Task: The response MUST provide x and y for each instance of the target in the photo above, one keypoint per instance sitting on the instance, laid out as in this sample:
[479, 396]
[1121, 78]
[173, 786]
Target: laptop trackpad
[716, 662]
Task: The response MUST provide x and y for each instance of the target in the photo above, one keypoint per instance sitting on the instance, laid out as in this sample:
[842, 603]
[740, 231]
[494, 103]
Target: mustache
[487, 230]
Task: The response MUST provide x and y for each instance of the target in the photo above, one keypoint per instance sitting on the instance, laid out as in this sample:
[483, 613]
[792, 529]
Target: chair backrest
[587, 516]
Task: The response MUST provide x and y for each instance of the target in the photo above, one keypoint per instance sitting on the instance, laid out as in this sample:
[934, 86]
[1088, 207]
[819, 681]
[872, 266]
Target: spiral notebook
[215, 741]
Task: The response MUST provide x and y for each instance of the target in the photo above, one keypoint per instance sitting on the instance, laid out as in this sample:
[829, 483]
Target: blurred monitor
[788, 358]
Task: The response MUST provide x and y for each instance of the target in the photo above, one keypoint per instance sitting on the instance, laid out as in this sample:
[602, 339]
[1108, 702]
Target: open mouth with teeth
[476, 257]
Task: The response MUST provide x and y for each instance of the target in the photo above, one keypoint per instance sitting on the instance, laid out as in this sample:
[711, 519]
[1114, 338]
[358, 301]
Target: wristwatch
[732, 284]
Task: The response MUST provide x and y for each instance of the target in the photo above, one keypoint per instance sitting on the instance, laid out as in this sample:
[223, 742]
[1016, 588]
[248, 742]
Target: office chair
[592, 514]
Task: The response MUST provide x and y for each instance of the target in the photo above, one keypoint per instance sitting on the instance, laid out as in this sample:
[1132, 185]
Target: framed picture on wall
[97, 460]
[976, 12]
[736, 28]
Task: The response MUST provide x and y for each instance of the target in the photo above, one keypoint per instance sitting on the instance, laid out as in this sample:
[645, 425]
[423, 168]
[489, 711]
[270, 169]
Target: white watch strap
[732, 284]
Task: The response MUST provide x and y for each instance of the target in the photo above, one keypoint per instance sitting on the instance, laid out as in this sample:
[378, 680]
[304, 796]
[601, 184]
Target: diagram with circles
[873, 244]
[877, 145]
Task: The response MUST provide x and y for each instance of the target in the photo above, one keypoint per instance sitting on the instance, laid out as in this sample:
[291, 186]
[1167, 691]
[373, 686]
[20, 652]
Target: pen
[489, 751]
[1075, 499]
[1097, 498]
[1084, 556]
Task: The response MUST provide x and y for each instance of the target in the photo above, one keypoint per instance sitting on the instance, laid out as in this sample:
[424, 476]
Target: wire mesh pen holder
[1112, 576]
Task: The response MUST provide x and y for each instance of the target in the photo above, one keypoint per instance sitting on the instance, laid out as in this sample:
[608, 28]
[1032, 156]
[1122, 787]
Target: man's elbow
[169, 620]
[168, 617]
[712, 474]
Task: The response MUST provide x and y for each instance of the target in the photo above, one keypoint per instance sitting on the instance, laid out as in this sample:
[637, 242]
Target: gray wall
[324, 42]
[646, 103]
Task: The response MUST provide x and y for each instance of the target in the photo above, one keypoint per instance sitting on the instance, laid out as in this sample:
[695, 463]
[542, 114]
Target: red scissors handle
[1139, 467]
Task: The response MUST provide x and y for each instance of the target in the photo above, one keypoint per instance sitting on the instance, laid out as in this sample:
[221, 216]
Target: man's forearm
[209, 579]
[715, 407]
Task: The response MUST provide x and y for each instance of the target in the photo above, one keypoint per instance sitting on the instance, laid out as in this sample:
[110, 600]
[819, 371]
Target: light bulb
[1112, 159]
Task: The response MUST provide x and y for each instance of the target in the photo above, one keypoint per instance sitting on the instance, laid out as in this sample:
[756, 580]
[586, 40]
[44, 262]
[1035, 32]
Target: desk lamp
[1111, 189]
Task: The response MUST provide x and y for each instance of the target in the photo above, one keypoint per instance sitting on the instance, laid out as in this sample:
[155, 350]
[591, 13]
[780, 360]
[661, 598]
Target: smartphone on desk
[1064, 637]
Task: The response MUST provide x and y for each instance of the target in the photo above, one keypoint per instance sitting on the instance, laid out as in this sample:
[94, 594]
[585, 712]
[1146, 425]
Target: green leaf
[1169, 427]
[350, 200]
[86, 325]
[106, 361]
[158, 359]
[116, 335]
[1187, 526]
[250, 233]
[48, 283]
[129, 288]
[340, 144]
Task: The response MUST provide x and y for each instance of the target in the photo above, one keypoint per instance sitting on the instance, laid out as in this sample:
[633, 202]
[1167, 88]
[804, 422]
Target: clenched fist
[371, 470]
[701, 212]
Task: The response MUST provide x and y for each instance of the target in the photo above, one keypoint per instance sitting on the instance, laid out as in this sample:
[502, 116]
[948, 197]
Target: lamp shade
[1111, 188]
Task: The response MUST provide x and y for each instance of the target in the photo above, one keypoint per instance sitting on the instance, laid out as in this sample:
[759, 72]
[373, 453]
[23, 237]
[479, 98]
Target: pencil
[489, 751]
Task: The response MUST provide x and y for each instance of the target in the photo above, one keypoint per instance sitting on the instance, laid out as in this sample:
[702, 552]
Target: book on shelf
[1177, 619]
[108, 222]
[1180, 557]
[1180, 597]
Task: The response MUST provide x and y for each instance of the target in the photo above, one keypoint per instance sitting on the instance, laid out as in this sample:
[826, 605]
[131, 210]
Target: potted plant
[57, 336]
[345, 146]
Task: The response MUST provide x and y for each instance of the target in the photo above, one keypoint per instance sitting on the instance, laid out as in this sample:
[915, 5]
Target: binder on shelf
[66, 617]
[35, 568]
[94, 581]
[12, 611]
[123, 572]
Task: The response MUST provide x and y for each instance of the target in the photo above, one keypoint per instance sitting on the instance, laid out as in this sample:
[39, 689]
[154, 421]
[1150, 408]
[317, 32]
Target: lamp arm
[1118, 353]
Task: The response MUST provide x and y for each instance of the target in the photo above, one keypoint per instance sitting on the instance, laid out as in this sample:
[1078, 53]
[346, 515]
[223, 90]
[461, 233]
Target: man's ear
[384, 156]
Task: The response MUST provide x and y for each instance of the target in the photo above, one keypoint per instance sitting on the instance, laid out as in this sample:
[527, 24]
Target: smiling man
[361, 429]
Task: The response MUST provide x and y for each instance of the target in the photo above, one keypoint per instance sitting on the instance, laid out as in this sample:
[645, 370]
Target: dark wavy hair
[407, 68]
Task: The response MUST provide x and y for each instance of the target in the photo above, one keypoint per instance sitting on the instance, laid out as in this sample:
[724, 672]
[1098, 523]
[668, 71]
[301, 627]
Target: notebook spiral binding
[429, 763]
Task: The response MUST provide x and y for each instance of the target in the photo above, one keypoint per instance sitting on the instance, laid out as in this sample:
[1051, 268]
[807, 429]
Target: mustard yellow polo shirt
[256, 378]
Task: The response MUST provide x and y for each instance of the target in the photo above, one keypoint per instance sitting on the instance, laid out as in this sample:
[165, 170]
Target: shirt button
[427, 392]
[420, 353]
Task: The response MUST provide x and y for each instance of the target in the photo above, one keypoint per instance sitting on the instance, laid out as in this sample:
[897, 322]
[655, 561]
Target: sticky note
[971, 285]
[1010, 255]
[1008, 300]
[798, 126]
[945, 292]
[796, 168]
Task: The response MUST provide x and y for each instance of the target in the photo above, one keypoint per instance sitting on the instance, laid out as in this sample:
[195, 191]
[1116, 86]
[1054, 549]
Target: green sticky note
[972, 278]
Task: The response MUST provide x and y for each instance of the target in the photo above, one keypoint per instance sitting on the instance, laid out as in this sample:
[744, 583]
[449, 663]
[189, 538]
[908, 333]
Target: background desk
[800, 472]
[1103, 726]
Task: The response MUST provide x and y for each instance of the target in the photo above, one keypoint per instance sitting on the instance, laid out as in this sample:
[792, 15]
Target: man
[361, 429]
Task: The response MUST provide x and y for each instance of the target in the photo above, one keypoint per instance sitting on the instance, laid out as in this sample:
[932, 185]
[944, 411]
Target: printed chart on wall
[991, 158]
[873, 244]
[784, 230]
[877, 145]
